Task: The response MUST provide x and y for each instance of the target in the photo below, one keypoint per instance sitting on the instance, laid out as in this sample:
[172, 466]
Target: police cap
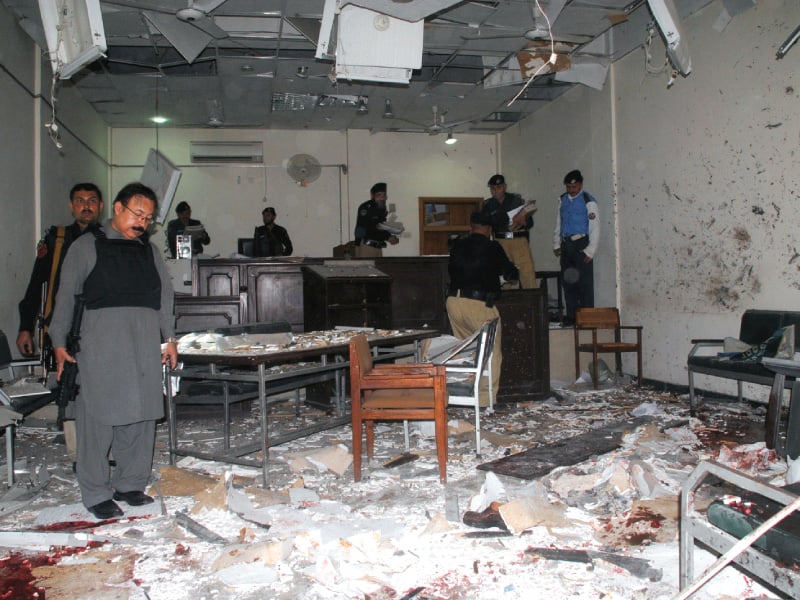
[497, 180]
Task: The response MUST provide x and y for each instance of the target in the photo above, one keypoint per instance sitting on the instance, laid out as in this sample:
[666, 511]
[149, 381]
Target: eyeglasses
[147, 219]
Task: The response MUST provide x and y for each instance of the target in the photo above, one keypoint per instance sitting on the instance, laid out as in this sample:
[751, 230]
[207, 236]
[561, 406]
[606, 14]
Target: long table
[329, 351]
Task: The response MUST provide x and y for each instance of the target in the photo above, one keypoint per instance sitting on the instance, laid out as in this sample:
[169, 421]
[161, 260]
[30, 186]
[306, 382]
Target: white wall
[36, 175]
[228, 199]
[707, 179]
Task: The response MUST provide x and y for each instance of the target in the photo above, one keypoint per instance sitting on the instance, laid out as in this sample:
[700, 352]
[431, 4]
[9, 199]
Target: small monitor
[244, 246]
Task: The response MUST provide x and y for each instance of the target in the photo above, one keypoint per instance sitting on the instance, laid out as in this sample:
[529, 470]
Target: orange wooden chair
[605, 318]
[395, 392]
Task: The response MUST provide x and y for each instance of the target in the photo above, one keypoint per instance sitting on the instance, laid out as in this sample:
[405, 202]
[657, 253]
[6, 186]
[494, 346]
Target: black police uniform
[30, 304]
[274, 242]
[370, 215]
[498, 214]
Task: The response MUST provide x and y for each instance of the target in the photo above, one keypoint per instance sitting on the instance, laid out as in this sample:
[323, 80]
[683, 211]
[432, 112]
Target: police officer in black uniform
[270, 239]
[86, 205]
[512, 233]
[476, 264]
[370, 240]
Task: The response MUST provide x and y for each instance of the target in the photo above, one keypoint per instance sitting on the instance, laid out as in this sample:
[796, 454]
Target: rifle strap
[48, 307]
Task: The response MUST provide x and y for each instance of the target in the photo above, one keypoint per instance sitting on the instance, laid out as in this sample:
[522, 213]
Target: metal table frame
[784, 368]
[331, 366]
[695, 527]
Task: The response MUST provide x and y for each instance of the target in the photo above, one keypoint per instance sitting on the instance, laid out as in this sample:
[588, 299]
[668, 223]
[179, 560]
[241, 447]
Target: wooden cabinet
[216, 277]
[418, 291]
[525, 343]
[276, 294]
[199, 313]
[357, 294]
[441, 218]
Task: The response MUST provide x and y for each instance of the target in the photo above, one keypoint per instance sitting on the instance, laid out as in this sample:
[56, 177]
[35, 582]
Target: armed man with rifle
[36, 308]
[128, 313]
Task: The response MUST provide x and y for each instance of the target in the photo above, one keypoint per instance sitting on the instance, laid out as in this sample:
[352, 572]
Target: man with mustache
[129, 311]
[85, 204]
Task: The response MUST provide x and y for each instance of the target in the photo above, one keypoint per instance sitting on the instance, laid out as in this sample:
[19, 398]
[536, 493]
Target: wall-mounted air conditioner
[226, 152]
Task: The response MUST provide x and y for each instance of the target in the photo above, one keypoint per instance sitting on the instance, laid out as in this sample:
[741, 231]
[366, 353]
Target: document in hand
[395, 227]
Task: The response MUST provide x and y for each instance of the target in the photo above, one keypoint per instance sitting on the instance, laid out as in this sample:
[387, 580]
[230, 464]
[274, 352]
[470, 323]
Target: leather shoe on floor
[134, 498]
[108, 509]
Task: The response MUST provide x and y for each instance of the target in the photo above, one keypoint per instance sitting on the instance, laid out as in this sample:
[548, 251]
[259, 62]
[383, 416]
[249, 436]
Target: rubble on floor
[599, 525]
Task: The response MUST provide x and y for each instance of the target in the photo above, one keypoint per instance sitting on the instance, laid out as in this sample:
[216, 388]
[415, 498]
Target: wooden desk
[251, 365]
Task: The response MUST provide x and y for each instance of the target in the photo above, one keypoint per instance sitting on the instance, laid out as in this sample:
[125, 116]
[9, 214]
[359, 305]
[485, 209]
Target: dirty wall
[703, 177]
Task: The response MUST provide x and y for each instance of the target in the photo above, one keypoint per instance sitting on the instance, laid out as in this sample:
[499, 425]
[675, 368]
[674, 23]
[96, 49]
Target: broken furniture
[467, 363]
[274, 292]
[783, 369]
[227, 393]
[20, 395]
[756, 326]
[605, 321]
[395, 392]
[710, 530]
[309, 358]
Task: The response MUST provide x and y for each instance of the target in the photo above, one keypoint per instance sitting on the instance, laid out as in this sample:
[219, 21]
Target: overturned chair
[599, 320]
[395, 392]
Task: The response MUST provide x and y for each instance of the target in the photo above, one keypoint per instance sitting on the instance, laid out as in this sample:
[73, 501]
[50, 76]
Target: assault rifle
[67, 385]
[46, 356]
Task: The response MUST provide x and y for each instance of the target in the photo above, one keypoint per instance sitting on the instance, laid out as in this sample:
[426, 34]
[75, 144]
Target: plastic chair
[466, 364]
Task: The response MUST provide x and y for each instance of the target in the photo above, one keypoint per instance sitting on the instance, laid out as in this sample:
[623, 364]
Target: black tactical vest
[125, 275]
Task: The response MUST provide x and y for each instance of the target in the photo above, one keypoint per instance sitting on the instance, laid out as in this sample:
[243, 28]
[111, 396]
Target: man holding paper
[511, 219]
[186, 225]
[372, 231]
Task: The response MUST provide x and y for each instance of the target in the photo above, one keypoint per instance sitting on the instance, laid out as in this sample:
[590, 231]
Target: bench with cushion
[756, 326]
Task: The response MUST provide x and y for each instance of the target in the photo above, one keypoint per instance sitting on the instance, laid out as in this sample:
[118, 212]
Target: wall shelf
[440, 218]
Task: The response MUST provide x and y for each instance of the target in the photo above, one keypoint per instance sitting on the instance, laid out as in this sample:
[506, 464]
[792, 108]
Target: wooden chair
[606, 318]
[395, 392]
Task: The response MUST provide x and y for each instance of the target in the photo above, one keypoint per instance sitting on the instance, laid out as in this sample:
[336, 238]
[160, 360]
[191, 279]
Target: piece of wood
[540, 460]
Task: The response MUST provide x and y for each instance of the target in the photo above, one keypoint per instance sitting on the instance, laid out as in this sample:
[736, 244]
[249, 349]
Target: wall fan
[189, 29]
[303, 168]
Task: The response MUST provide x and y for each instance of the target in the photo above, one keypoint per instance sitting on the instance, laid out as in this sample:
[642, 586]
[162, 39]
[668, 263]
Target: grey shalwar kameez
[119, 373]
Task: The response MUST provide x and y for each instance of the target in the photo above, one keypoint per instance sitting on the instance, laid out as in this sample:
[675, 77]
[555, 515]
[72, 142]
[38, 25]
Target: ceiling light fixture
[387, 111]
[302, 72]
[158, 120]
[362, 106]
[450, 139]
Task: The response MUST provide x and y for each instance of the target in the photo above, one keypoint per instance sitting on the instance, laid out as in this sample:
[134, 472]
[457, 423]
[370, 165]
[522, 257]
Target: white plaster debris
[324, 536]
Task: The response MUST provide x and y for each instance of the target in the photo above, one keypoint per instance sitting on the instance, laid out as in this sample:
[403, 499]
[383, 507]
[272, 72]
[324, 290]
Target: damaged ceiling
[254, 63]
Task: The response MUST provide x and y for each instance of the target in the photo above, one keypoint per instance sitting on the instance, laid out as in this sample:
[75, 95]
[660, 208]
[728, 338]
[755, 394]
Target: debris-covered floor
[314, 533]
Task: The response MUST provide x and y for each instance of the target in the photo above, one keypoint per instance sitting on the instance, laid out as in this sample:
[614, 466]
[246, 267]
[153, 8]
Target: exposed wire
[553, 55]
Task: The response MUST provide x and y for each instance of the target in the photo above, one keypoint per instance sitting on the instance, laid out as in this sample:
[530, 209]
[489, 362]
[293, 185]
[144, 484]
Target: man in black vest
[129, 312]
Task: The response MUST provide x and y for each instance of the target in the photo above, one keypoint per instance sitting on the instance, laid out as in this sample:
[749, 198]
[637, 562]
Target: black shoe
[134, 498]
[107, 509]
